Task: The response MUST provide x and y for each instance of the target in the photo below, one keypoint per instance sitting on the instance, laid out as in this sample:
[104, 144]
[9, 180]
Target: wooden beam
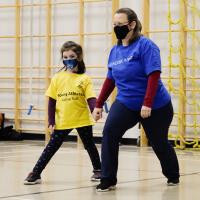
[145, 29]
[115, 6]
[17, 64]
[48, 62]
[81, 23]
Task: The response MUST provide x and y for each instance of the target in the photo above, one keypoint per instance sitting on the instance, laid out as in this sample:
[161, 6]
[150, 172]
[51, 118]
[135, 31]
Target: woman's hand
[97, 113]
[145, 112]
[51, 128]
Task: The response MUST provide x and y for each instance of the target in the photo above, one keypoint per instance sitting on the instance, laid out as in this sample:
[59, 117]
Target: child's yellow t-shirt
[71, 92]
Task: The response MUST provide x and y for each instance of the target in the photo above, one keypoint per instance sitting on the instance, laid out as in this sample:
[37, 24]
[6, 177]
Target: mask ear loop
[130, 25]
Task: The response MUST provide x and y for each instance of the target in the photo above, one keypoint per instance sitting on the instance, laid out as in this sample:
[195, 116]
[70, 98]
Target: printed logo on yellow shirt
[70, 96]
[80, 84]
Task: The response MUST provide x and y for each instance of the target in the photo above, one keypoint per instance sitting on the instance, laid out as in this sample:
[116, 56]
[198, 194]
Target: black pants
[56, 141]
[156, 127]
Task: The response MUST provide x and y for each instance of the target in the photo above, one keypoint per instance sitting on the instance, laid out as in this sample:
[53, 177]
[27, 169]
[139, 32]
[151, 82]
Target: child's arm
[91, 103]
[51, 111]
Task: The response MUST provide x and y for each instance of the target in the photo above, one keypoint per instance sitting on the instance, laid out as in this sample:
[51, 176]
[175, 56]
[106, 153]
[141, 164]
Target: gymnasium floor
[68, 175]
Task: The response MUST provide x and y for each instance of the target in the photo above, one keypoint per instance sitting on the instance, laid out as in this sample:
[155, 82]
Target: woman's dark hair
[70, 45]
[131, 16]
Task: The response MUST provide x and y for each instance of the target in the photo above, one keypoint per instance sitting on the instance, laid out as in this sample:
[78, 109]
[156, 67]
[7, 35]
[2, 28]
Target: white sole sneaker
[172, 184]
[95, 180]
[38, 181]
[112, 187]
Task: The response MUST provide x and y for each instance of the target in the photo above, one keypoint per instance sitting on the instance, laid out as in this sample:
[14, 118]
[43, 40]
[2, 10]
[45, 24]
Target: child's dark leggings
[57, 138]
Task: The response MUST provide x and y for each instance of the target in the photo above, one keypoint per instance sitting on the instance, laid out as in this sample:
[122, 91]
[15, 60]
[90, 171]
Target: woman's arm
[152, 86]
[108, 87]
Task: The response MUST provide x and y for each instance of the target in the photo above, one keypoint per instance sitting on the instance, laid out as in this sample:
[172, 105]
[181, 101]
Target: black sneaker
[32, 179]
[105, 186]
[96, 176]
[173, 182]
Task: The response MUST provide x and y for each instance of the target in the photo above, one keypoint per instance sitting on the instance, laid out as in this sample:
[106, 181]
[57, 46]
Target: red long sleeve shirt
[152, 86]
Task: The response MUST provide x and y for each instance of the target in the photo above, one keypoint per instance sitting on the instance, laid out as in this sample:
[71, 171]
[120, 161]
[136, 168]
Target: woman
[70, 93]
[134, 67]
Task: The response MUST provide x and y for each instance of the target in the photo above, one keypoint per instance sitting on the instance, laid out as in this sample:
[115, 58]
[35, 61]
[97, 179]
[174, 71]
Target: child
[70, 93]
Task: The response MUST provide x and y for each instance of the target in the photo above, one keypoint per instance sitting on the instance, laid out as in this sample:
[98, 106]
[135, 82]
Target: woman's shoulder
[146, 42]
[113, 48]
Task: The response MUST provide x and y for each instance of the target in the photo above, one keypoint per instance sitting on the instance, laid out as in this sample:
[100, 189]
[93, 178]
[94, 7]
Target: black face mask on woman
[121, 31]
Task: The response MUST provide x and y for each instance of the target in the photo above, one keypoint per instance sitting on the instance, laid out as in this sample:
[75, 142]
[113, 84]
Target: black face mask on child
[121, 31]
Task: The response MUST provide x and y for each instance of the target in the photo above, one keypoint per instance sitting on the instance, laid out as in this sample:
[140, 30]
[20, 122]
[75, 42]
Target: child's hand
[51, 128]
[97, 113]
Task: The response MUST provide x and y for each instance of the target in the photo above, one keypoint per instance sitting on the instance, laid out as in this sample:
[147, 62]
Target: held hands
[145, 112]
[97, 113]
[51, 128]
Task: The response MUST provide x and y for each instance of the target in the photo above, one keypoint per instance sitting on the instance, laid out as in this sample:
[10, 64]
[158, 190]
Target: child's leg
[54, 144]
[86, 136]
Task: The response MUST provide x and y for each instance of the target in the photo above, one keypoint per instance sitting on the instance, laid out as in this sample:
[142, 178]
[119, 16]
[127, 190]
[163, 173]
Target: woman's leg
[156, 128]
[119, 120]
[86, 135]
